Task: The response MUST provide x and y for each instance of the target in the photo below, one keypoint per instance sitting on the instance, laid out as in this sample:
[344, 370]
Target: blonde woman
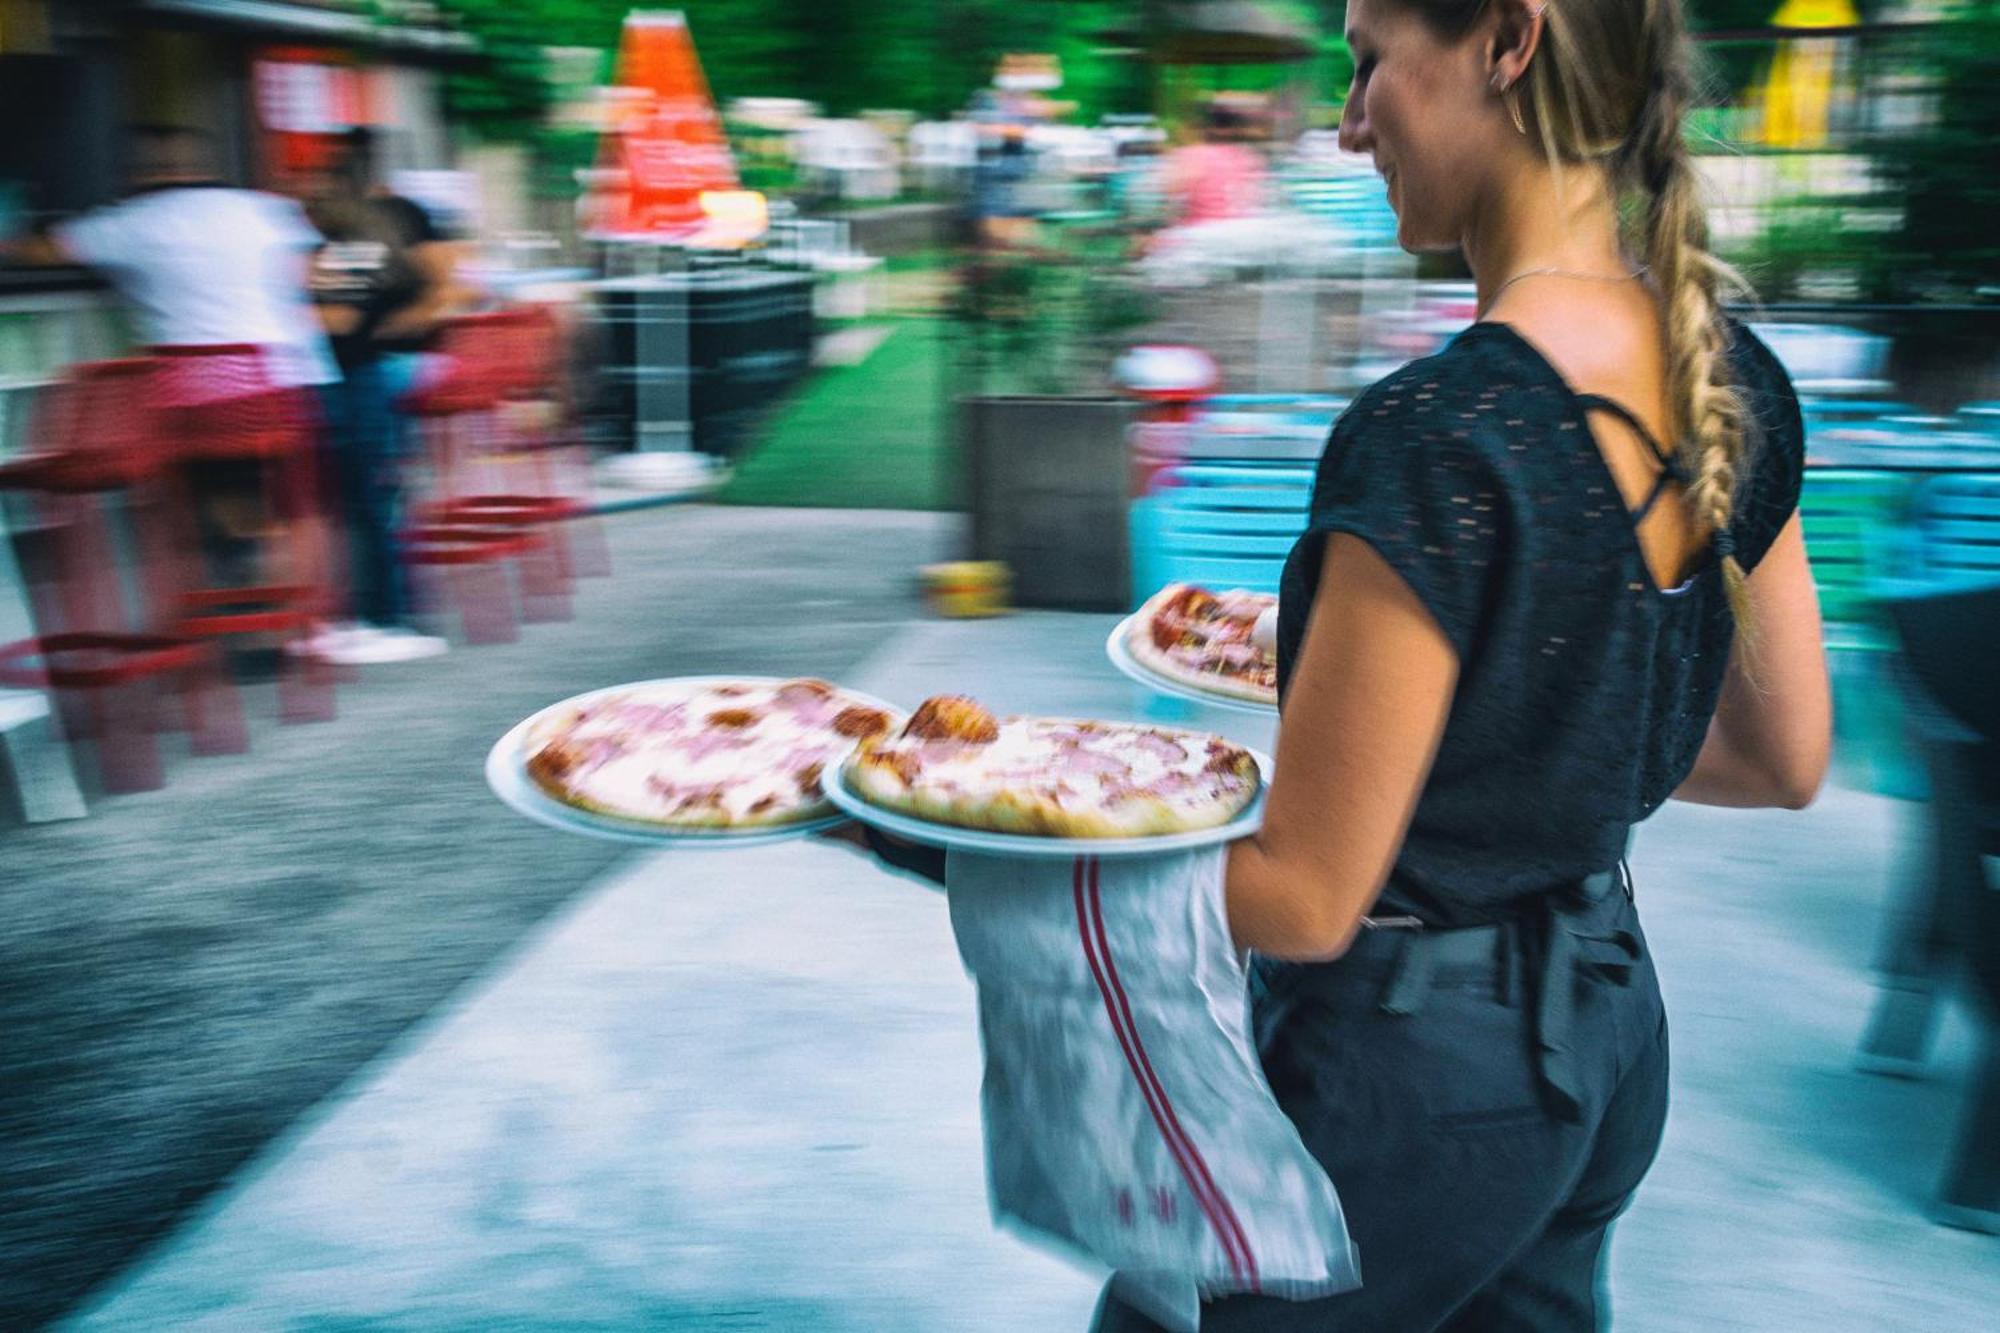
[1553, 577]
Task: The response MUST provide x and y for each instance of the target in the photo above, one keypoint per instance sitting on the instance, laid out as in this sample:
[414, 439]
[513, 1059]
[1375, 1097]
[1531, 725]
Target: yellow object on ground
[960, 589]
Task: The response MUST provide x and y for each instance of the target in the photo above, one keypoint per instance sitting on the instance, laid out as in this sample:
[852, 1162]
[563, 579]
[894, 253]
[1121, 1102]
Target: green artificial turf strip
[872, 436]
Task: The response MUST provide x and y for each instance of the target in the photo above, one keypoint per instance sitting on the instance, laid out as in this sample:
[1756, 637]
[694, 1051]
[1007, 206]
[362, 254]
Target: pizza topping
[903, 764]
[1210, 639]
[1164, 747]
[714, 754]
[861, 721]
[952, 717]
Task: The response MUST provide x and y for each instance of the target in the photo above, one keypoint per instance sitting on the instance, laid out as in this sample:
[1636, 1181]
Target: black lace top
[1584, 690]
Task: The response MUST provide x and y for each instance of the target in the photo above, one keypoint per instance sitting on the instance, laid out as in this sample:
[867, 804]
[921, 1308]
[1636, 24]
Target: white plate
[507, 775]
[1022, 844]
[1121, 657]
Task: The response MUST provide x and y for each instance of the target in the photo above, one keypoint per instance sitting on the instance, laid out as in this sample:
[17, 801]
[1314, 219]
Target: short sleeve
[292, 228]
[103, 239]
[413, 220]
[1777, 448]
[1405, 472]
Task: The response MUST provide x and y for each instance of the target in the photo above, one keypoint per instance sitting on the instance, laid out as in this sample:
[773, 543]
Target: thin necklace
[1629, 276]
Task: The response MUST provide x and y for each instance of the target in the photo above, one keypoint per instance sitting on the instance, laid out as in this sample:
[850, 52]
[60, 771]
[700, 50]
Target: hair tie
[1724, 542]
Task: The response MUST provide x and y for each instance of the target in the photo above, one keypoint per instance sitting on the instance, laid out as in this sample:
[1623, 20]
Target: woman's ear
[1516, 36]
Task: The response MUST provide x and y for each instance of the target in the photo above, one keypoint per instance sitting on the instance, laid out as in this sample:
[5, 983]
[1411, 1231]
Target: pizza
[1212, 641]
[955, 763]
[701, 755]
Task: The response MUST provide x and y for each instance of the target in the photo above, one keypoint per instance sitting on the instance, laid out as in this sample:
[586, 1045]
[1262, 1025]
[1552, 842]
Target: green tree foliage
[847, 55]
[1949, 246]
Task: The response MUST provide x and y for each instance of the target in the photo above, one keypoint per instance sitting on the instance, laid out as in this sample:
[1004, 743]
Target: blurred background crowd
[334, 334]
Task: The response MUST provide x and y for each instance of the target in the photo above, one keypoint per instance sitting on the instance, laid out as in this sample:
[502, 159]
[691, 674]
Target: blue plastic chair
[1957, 530]
[1221, 527]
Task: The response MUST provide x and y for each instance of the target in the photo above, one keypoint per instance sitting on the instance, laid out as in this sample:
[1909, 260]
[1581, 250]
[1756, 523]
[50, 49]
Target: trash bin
[1048, 481]
[696, 357]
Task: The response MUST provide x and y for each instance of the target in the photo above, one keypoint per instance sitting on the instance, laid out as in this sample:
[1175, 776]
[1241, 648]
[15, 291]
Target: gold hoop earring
[1514, 111]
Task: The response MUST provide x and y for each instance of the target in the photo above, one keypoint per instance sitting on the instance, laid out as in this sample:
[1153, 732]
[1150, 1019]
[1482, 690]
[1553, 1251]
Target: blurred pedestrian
[201, 261]
[1220, 178]
[205, 263]
[1552, 576]
[384, 282]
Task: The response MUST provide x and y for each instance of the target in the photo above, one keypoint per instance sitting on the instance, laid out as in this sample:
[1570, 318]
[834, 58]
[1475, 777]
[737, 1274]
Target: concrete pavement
[738, 1091]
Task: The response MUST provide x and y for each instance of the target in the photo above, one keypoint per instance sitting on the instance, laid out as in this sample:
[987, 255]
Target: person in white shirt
[203, 262]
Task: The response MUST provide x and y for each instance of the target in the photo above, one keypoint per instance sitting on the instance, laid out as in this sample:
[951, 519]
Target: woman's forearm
[1283, 911]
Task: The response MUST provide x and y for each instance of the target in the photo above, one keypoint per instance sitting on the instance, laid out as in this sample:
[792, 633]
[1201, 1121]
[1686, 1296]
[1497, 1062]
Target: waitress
[1552, 577]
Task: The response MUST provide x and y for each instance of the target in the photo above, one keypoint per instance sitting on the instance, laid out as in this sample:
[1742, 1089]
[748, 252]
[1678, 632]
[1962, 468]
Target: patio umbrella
[1213, 32]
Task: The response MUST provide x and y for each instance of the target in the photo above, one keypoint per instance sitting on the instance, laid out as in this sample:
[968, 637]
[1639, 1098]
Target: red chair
[492, 417]
[455, 405]
[468, 561]
[538, 415]
[97, 466]
[217, 405]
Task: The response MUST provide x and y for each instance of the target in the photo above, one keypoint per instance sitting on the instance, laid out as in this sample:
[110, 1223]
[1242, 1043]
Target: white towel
[1125, 1111]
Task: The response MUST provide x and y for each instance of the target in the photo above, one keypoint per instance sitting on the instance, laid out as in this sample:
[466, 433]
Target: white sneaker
[327, 637]
[376, 646]
[408, 644]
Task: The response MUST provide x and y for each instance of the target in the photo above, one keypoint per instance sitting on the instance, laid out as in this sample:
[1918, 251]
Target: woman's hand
[849, 832]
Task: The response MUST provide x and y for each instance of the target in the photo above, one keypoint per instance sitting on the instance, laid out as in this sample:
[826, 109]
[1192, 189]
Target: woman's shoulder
[1757, 373]
[1475, 394]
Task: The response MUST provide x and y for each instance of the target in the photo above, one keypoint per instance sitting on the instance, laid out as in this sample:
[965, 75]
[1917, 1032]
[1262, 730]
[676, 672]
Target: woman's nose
[1354, 133]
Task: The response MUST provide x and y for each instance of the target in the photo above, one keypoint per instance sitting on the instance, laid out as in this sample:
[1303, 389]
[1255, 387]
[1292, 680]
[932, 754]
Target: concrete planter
[1047, 481]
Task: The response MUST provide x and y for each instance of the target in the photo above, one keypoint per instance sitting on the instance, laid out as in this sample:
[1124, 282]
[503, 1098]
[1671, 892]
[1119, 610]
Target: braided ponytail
[1610, 85]
[1708, 416]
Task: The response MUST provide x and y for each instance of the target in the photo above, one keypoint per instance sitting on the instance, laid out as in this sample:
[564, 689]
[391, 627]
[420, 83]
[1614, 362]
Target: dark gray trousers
[1482, 1129]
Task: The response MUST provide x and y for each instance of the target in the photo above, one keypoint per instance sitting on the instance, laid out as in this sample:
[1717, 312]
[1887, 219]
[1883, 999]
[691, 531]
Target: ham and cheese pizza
[955, 763]
[1210, 641]
[701, 755]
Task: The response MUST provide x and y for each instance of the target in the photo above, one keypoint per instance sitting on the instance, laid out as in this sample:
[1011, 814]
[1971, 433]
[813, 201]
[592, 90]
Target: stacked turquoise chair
[1956, 530]
[1221, 526]
[1854, 523]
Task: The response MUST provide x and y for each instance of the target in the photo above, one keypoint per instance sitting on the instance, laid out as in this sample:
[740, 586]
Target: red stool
[468, 561]
[545, 582]
[482, 415]
[218, 405]
[455, 405]
[97, 460]
[537, 417]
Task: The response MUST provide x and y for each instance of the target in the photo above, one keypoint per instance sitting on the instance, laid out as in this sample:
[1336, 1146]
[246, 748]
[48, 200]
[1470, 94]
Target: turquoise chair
[1853, 521]
[1218, 526]
[1852, 518]
[1957, 530]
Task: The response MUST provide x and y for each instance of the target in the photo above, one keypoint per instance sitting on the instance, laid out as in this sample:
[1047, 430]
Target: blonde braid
[1708, 416]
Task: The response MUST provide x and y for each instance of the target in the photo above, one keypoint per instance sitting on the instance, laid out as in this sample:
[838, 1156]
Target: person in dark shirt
[383, 282]
[1552, 577]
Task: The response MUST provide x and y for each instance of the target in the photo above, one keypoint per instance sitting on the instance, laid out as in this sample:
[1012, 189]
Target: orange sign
[663, 145]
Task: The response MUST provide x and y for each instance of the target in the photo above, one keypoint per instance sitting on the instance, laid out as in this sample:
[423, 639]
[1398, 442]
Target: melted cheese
[652, 751]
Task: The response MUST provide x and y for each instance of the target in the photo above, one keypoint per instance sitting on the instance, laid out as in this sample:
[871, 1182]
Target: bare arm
[1769, 741]
[436, 263]
[1363, 719]
[40, 250]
